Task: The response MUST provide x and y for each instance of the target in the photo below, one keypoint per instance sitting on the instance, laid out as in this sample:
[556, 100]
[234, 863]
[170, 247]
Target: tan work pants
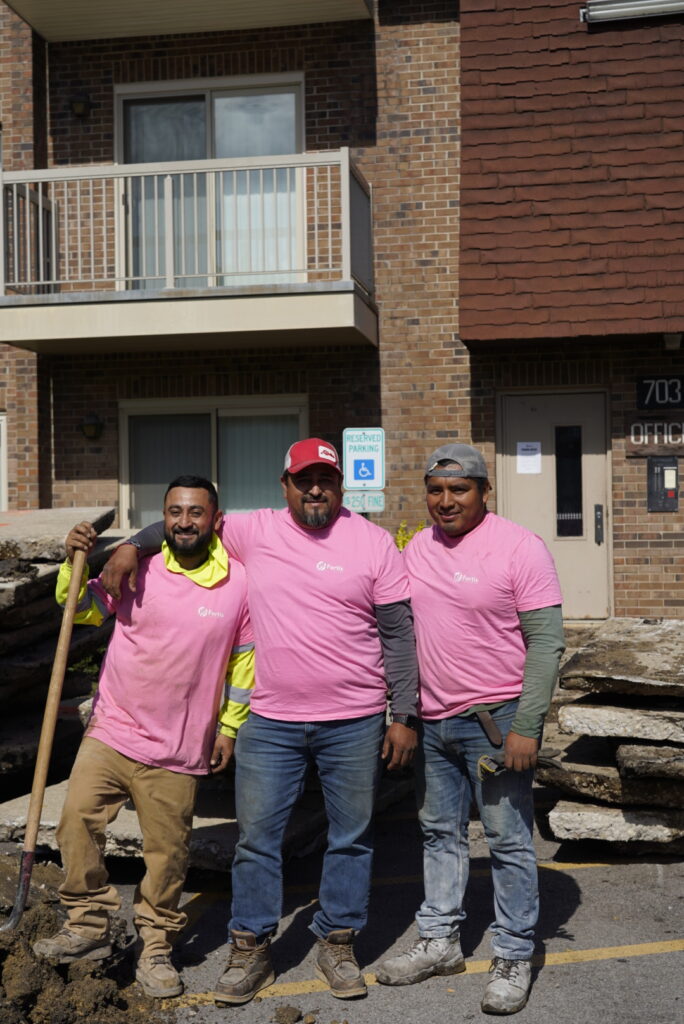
[101, 782]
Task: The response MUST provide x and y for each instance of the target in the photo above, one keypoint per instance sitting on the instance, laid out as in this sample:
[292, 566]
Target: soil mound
[35, 991]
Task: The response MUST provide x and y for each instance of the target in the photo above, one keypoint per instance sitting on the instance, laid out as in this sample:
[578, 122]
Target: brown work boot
[67, 946]
[249, 969]
[158, 977]
[336, 964]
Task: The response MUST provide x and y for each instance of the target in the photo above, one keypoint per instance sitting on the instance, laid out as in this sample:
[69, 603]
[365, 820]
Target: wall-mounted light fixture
[618, 10]
[91, 426]
[672, 342]
[80, 105]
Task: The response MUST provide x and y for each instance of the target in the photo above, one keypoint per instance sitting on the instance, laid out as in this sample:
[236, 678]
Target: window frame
[206, 87]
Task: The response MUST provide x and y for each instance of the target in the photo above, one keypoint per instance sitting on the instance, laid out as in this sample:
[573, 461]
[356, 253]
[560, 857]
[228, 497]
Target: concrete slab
[630, 656]
[25, 637]
[21, 591]
[215, 830]
[38, 534]
[629, 719]
[639, 760]
[26, 674]
[586, 767]
[22, 595]
[19, 737]
[637, 825]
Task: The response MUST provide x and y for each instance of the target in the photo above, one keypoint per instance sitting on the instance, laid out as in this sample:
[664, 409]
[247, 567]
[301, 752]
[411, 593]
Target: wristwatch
[409, 720]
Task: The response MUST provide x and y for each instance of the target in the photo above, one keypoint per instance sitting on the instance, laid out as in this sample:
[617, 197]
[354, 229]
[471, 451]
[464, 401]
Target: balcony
[72, 20]
[261, 251]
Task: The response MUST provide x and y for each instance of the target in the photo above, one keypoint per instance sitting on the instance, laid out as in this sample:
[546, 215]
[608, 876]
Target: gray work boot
[336, 964]
[67, 946]
[509, 986]
[425, 959]
[249, 969]
[158, 977]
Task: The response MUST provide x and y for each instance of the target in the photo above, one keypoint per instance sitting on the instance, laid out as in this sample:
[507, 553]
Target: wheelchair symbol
[363, 469]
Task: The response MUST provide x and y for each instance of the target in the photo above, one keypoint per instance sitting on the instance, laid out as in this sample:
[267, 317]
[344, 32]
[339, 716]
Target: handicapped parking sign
[364, 469]
[364, 458]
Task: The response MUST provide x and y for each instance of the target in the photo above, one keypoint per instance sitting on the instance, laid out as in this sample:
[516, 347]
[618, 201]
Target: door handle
[598, 524]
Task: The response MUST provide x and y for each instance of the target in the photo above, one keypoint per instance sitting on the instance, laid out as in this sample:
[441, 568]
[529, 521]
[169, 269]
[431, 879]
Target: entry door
[552, 474]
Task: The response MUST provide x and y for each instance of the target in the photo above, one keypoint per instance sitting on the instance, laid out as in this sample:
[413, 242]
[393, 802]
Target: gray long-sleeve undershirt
[542, 629]
[395, 629]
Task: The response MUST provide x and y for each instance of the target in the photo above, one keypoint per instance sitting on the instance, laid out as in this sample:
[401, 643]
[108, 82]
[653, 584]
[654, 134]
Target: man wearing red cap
[329, 601]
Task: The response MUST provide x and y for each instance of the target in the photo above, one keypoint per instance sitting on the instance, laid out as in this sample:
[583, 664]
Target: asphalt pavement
[610, 940]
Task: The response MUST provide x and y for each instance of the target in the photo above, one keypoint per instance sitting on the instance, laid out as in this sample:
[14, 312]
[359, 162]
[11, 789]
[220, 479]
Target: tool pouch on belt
[491, 729]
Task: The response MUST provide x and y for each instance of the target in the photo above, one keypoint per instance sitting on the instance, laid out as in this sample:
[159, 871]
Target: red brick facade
[22, 113]
[387, 91]
[552, 229]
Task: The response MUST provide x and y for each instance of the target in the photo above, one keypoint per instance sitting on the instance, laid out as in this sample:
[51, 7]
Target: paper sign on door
[529, 457]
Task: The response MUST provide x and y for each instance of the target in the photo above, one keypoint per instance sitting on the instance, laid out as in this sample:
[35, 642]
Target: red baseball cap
[310, 452]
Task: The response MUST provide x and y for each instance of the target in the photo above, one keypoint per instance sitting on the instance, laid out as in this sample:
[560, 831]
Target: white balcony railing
[247, 225]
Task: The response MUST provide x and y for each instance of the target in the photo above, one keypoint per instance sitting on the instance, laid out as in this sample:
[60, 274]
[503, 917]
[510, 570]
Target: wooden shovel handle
[54, 694]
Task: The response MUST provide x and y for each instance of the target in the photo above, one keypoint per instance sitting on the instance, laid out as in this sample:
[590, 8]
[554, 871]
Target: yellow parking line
[572, 956]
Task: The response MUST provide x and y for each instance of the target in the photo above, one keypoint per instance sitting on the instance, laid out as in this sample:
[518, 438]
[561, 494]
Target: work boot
[426, 958]
[249, 969]
[158, 977]
[67, 946]
[336, 964]
[509, 986]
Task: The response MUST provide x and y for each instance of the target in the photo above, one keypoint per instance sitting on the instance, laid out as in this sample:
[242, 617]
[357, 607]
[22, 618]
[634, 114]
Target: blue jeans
[271, 759]
[447, 782]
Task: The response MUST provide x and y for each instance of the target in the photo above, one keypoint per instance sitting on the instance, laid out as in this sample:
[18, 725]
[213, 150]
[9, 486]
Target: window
[231, 225]
[237, 443]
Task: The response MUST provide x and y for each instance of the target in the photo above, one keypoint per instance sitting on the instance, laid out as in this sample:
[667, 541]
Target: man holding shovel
[153, 729]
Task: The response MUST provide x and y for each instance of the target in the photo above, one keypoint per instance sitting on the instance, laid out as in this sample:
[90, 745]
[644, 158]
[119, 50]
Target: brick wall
[647, 546]
[342, 384]
[21, 105]
[573, 156]
[389, 91]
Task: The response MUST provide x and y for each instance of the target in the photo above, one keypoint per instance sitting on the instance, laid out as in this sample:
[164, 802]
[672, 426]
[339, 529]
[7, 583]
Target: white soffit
[70, 20]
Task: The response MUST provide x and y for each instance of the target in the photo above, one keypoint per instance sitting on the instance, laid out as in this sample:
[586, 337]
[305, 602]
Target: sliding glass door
[238, 227]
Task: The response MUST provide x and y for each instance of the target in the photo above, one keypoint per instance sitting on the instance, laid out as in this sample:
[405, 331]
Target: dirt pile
[34, 991]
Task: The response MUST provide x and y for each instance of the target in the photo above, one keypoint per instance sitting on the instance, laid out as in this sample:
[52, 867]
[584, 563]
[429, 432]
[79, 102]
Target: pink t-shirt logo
[460, 577]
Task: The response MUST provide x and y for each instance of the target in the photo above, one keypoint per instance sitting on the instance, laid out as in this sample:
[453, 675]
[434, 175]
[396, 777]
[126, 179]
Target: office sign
[654, 435]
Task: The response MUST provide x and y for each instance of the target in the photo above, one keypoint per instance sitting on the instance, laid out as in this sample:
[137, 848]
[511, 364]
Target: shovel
[47, 735]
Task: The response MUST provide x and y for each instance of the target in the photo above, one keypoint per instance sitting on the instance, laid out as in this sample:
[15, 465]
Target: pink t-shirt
[162, 678]
[311, 596]
[466, 593]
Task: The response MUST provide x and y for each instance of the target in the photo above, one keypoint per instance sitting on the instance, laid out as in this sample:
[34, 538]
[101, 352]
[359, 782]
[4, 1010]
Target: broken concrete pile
[621, 739]
[31, 550]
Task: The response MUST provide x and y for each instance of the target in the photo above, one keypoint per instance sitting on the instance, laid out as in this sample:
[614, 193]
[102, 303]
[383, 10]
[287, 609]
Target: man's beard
[316, 518]
[199, 543]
